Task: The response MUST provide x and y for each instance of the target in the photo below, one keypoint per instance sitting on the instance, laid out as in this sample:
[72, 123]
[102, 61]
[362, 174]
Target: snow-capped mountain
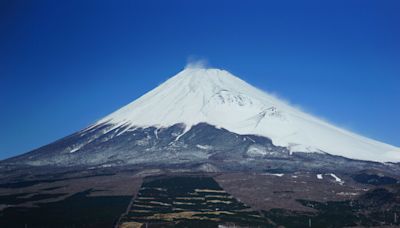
[213, 96]
[208, 119]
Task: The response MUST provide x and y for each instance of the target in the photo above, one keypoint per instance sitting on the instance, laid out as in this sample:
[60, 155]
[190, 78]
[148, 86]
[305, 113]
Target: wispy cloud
[196, 63]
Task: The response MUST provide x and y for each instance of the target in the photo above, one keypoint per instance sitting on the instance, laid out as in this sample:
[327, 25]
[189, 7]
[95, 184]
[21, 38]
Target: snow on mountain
[214, 96]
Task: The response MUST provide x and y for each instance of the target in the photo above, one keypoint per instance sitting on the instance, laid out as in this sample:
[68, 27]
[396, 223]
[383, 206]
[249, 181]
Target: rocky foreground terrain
[107, 197]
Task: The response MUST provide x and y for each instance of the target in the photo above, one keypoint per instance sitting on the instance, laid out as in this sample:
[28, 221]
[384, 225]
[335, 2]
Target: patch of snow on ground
[204, 147]
[156, 133]
[348, 193]
[275, 174]
[75, 149]
[319, 176]
[337, 179]
[256, 150]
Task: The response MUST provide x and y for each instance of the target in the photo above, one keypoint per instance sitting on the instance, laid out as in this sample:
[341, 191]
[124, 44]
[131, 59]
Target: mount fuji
[209, 119]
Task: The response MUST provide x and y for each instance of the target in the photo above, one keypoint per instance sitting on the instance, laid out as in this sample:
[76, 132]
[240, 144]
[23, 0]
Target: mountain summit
[208, 119]
[214, 96]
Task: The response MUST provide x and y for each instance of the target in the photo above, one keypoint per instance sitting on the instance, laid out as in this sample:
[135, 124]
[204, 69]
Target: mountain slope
[216, 97]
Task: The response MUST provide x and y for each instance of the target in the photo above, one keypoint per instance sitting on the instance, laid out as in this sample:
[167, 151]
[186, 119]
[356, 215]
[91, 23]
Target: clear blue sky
[65, 64]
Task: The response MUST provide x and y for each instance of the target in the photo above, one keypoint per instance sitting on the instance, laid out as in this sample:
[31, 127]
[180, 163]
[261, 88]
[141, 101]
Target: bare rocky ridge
[202, 147]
